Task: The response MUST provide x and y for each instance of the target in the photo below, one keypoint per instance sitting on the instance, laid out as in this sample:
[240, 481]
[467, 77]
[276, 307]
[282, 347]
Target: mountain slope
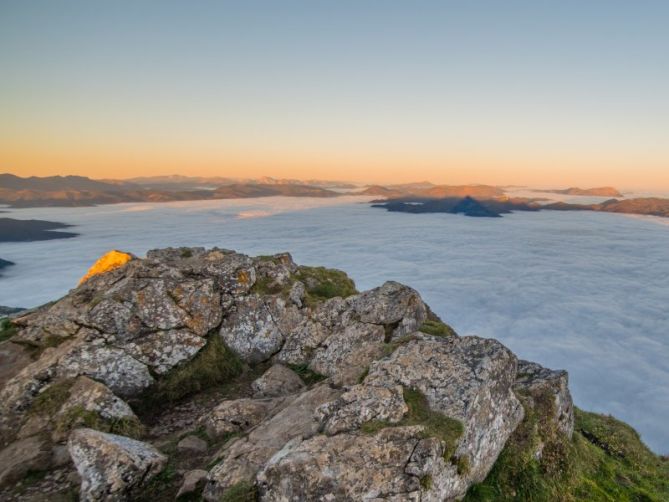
[212, 374]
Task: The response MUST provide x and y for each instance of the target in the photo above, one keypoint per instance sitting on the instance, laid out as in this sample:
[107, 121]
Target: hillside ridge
[207, 373]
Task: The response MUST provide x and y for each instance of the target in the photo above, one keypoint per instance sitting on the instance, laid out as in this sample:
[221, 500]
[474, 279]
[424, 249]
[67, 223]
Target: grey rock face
[534, 380]
[360, 404]
[86, 396]
[192, 481]
[394, 305]
[251, 331]
[277, 381]
[344, 467]
[110, 466]
[192, 444]
[469, 379]
[351, 436]
[238, 415]
[32, 453]
[242, 459]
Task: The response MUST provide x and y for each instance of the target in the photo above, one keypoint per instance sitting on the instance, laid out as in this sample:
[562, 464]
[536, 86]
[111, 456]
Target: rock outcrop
[111, 466]
[296, 386]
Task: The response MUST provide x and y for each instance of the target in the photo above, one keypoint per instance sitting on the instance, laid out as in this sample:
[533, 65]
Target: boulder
[394, 305]
[193, 482]
[469, 379]
[85, 403]
[347, 467]
[28, 454]
[360, 404]
[238, 415]
[192, 444]
[535, 382]
[277, 381]
[244, 457]
[112, 466]
[251, 331]
[163, 350]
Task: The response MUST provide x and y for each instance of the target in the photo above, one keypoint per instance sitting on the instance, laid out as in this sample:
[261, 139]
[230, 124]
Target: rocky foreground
[207, 374]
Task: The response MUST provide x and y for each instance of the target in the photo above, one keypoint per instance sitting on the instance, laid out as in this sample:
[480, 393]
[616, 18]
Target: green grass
[308, 377]
[324, 283]
[215, 364]
[436, 424]
[436, 328]
[49, 401]
[606, 461]
[320, 284]
[240, 492]
[78, 416]
[7, 329]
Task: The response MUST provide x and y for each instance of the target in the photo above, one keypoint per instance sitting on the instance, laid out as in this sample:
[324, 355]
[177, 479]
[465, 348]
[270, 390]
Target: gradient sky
[534, 92]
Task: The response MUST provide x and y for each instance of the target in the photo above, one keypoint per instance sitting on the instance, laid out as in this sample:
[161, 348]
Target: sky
[532, 93]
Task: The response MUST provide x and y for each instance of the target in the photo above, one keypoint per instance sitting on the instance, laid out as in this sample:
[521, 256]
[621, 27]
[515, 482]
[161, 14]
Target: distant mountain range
[81, 191]
[430, 191]
[178, 182]
[495, 207]
[594, 192]
[651, 206]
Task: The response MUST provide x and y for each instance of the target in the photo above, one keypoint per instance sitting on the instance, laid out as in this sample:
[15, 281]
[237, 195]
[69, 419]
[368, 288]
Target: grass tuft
[308, 376]
[435, 424]
[49, 401]
[214, 364]
[78, 416]
[605, 461]
[7, 329]
[437, 328]
[240, 492]
[324, 283]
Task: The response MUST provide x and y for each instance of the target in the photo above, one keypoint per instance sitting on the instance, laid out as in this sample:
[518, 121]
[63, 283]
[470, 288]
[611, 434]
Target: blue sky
[555, 92]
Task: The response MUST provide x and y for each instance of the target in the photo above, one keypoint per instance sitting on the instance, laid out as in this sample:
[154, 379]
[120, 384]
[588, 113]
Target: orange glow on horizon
[392, 167]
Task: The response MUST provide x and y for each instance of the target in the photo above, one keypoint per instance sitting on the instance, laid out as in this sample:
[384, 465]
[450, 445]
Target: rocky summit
[207, 374]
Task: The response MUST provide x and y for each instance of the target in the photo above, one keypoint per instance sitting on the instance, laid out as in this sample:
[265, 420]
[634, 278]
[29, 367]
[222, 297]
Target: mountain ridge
[205, 372]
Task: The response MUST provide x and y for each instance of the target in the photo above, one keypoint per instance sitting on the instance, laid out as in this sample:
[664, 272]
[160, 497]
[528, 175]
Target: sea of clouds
[588, 292]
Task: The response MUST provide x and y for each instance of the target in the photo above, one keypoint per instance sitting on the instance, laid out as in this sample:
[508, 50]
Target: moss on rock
[604, 461]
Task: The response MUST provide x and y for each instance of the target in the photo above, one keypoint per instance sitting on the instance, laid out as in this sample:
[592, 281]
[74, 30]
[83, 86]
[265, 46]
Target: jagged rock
[13, 358]
[297, 293]
[111, 466]
[192, 444]
[109, 261]
[346, 467]
[305, 338]
[243, 458]
[534, 380]
[238, 415]
[251, 331]
[17, 459]
[193, 481]
[360, 404]
[277, 381]
[123, 374]
[352, 436]
[86, 398]
[394, 305]
[346, 353]
[469, 379]
[163, 350]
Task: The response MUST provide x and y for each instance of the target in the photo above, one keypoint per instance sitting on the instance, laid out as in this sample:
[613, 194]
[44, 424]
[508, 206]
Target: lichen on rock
[305, 389]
